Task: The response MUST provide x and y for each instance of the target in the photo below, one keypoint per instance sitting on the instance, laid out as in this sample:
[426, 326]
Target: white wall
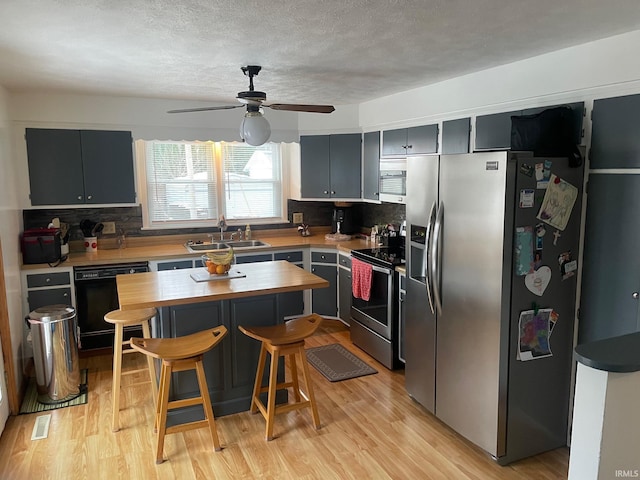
[598, 69]
[10, 228]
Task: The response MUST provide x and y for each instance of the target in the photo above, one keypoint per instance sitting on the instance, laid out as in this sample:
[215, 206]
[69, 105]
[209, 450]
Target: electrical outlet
[297, 218]
[109, 227]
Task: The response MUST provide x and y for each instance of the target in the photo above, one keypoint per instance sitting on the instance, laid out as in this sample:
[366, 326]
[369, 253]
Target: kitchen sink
[205, 247]
[236, 244]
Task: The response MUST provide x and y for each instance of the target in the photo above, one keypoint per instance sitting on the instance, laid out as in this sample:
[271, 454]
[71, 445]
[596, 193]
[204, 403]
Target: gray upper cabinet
[493, 132]
[371, 166]
[615, 142]
[76, 167]
[410, 141]
[455, 135]
[331, 165]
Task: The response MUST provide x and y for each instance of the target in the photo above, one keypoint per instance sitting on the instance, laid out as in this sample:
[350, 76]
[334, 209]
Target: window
[190, 184]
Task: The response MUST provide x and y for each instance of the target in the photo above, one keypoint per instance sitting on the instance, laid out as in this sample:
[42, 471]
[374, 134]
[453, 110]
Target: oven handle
[436, 258]
[387, 271]
[427, 253]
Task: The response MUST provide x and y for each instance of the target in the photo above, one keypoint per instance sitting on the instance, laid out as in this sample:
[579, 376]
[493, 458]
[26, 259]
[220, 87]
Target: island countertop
[176, 287]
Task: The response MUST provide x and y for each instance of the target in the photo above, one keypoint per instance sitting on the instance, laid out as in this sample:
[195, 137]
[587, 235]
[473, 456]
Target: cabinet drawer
[176, 265]
[52, 296]
[266, 257]
[48, 279]
[321, 257]
[344, 261]
[289, 256]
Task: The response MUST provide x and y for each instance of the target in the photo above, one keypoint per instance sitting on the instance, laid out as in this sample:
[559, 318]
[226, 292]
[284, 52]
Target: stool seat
[121, 319]
[292, 331]
[130, 317]
[179, 354]
[179, 348]
[286, 340]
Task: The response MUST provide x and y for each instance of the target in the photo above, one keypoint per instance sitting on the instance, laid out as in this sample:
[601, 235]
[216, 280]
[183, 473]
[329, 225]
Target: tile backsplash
[128, 220]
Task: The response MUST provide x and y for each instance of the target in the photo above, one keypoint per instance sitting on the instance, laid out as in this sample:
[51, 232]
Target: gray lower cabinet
[230, 367]
[324, 301]
[176, 265]
[73, 167]
[344, 295]
[331, 165]
[51, 288]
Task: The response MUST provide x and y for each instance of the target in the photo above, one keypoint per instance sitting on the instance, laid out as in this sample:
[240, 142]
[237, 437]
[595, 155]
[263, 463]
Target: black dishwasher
[96, 295]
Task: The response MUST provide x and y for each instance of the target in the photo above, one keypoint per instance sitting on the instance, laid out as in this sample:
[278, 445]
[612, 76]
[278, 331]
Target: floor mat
[337, 363]
[30, 404]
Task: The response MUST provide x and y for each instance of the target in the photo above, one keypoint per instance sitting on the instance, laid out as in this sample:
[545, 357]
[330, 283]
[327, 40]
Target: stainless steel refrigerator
[466, 291]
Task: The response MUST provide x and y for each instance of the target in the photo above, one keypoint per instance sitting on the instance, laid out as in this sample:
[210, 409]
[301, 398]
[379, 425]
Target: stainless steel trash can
[54, 335]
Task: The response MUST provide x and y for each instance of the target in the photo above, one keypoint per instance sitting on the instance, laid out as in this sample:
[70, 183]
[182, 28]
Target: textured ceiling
[312, 51]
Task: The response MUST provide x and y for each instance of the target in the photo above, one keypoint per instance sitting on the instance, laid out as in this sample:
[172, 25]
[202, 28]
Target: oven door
[377, 313]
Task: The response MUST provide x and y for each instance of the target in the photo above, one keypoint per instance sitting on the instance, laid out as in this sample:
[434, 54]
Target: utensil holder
[91, 244]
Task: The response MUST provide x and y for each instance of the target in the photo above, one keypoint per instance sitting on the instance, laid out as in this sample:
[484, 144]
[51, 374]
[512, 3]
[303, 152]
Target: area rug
[337, 363]
[30, 404]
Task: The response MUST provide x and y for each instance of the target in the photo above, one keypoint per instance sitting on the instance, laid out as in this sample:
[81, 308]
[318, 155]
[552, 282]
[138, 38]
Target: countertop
[165, 247]
[176, 287]
[617, 354]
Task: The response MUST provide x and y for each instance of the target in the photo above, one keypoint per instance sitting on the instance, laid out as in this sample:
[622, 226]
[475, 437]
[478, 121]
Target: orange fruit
[211, 267]
[220, 269]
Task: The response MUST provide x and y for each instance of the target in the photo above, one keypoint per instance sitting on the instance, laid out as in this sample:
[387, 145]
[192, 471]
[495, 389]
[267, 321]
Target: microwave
[393, 180]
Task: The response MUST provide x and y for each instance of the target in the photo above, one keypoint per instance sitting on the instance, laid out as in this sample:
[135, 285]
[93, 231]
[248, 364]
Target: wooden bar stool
[121, 319]
[178, 354]
[280, 340]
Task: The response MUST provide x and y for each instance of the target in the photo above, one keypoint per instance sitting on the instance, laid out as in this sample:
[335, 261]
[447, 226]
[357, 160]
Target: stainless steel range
[375, 321]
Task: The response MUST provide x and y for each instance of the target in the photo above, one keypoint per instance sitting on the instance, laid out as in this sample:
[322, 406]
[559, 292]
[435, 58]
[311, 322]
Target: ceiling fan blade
[301, 108]
[205, 109]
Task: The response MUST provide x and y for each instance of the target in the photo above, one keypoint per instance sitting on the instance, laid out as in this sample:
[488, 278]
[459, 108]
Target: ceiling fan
[255, 129]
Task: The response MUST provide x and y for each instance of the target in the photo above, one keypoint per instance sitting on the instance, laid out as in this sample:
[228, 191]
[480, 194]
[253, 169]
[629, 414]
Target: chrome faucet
[238, 233]
[222, 225]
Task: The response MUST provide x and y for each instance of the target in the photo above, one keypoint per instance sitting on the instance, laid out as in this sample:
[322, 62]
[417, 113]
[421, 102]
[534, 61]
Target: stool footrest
[185, 402]
[183, 427]
[137, 370]
[279, 386]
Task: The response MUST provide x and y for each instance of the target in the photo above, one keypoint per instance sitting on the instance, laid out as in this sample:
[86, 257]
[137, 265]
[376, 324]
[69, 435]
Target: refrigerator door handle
[436, 258]
[427, 256]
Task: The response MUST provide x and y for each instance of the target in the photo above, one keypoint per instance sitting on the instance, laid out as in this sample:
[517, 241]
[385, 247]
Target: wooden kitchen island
[270, 292]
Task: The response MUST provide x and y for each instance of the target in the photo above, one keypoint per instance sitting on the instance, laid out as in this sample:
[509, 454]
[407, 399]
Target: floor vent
[41, 428]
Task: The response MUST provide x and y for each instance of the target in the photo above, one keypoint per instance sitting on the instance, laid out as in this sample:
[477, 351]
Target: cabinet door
[493, 131]
[344, 294]
[615, 142]
[611, 270]
[394, 142]
[423, 139]
[52, 296]
[345, 155]
[265, 257]
[188, 319]
[455, 135]
[324, 300]
[55, 166]
[107, 158]
[314, 166]
[178, 265]
[371, 166]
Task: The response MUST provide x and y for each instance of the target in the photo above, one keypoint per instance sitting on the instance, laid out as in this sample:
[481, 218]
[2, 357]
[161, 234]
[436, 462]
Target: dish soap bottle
[247, 233]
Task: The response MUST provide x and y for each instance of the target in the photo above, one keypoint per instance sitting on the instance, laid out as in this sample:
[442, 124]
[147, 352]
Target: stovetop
[385, 256]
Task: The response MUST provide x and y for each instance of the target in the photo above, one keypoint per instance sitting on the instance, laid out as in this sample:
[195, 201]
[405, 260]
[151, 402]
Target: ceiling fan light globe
[255, 129]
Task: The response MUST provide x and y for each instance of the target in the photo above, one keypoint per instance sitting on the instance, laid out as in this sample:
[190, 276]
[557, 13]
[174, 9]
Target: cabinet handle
[635, 295]
[409, 146]
[48, 280]
[326, 191]
[313, 270]
[79, 197]
[322, 257]
[332, 192]
[175, 268]
[89, 197]
[65, 295]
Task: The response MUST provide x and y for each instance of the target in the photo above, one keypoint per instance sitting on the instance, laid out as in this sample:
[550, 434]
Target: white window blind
[191, 183]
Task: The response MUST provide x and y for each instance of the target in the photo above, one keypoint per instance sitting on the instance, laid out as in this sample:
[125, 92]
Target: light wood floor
[371, 429]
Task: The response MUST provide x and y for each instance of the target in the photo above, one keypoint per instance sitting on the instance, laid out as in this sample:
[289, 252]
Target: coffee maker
[342, 221]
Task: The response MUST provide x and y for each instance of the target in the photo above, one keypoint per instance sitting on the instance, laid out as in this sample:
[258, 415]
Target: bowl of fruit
[218, 263]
